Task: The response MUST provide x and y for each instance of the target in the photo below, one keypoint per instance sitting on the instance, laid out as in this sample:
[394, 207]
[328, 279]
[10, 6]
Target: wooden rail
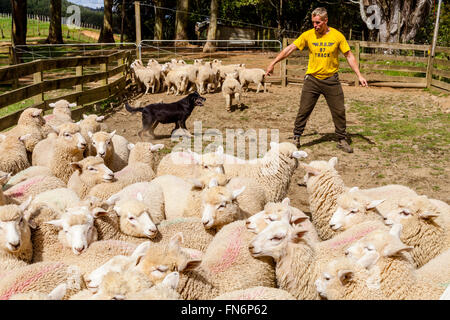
[81, 96]
[383, 64]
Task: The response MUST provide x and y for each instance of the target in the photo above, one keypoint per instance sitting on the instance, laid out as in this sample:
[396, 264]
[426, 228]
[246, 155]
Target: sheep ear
[100, 118]
[85, 116]
[99, 212]
[286, 201]
[117, 210]
[112, 134]
[172, 280]
[299, 154]
[345, 276]
[72, 105]
[130, 146]
[90, 134]
[139, 197]
[5, 178]
[37, 113]
[396, 230]
[57, 223]
[156, 147]
[310, 170]
[353, 189]
[333, 162]
[24, 137]
[213, 183]
[189, 264]
[297, 235]
[428, 215]
[56, 129]
[24, 205]
[197, 184]
[237, 192]
[58, 293]
[176, 241]
[52, 105]
[112, 200]
[273, 145]
[76, 166]
[395, 248]
[141, 250]
[374, 203]
[298, 218]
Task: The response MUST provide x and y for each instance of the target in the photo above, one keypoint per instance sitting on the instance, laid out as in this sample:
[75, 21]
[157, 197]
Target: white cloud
[89, 3]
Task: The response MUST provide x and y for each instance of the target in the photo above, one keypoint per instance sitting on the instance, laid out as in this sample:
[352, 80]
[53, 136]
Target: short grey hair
[321, 12]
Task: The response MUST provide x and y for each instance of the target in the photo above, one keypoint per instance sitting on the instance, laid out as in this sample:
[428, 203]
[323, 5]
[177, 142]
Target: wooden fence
[382, 64]
[109, 66]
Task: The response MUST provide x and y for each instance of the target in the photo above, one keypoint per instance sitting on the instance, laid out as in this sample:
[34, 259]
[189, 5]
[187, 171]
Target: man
[321, 77]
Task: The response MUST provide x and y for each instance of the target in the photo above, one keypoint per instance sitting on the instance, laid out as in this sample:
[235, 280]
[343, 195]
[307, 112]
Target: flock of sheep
[179, 77]
[85, 214]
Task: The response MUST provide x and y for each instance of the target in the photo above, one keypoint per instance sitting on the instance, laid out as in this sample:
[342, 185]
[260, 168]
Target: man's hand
[269, 70]
[363, 81]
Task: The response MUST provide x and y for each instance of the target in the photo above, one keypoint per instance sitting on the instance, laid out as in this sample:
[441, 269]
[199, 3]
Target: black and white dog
[175, 112]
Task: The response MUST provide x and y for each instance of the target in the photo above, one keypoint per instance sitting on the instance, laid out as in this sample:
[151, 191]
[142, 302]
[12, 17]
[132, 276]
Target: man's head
[319, 19]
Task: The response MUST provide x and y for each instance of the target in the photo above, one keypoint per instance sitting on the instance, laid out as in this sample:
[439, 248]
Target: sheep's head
[144, 152]
[69, 136]
[411, 212]
[316, 168]
[274, 239]
[163, 259]
[232, 75]
[352, 207]
[288, 150]
[198, 62]
[275, 211]
[118, 263]
[204, 177]
[102, 142]
[31, 116]
[62, 106]
[135, 220]
[220, 205]
[77, 229]
[377, 244]
[15, 226]
[93, 170]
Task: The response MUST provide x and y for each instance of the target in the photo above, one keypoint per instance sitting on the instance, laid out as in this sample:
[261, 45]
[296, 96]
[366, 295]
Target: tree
[106, 32]
[395, 20]
[55, 29]
[212, 29]
[19, 22]
[159, 17]
[181, 22]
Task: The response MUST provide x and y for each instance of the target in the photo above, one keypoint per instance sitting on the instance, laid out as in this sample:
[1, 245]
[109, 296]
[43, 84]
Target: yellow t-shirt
[323, 51]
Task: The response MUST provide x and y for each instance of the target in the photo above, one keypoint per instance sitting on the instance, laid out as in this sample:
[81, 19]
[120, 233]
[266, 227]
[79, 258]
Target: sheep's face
[77, 229]
[220, 206]
[144, 152]
[14, 228]
[135, 219]
[32, 115]
[69, 134]
[118, 285]
[272, 212]
[102, 142]
[94, 169]
[410, 211]
[337, 280]
[315, 168]
[118, 263]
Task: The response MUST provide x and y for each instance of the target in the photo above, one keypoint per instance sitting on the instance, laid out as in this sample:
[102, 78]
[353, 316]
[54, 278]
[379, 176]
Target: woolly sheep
[436, 270]
[144, 76]
[256, 293]
[57, 153]
[112, 148]
[3, 178]
[41, 277]
[230, 68]
[91, 123]
[206, 76]
[89, 172]
[273, 172]
[254, 75]
[61, 113]
[32, 187]
[156, 68]
[231, 87]
[192, 72]
[30, 122]
[53, 202]
[26, 174]
[165, 290]
[56, 294]
[177, 79]
[424, 226]
[13, 153]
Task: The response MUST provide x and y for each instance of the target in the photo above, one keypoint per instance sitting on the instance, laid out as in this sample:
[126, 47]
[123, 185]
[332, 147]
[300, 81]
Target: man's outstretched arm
[354, 65]
[282, 55]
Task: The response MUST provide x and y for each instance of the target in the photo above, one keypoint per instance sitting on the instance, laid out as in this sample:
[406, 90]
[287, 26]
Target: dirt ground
[400, 136]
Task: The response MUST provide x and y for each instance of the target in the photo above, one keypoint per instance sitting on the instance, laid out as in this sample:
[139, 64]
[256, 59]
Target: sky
[89, 3]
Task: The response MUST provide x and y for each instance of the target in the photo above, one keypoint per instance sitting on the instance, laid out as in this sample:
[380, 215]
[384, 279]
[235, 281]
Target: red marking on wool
[19, 287]
[358, 236]
[231, 253]
[121, 172]
[253, 295]
[22, 188]
[49, 117]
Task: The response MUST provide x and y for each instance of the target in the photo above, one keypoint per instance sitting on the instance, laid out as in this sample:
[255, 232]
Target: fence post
[430, 68]
[37, 78]
[79, 72]
[104, 68]
[284, 62]
[137, 12]
[357, 56]
[13, 60]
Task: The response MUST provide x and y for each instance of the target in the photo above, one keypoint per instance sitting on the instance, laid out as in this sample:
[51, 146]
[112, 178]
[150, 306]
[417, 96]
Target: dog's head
[196, 99]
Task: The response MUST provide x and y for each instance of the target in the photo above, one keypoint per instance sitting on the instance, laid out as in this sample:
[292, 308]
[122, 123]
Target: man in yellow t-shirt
[324, 44]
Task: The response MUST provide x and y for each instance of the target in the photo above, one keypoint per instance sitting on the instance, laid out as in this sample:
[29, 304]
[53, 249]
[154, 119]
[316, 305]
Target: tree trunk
[55, 30]
[19, 22]
[122, 20]
[159, 18]
[181, 22]
[212, 29]
[106, 32]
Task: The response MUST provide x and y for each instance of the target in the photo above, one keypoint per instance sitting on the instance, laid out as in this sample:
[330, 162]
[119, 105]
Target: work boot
[297, 141]
[343, 144]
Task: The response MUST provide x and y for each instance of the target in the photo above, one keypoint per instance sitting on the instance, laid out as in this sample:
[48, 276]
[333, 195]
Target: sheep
[206, 76]
[256, 293]
[231, 87]
[61, 113]
[230, 68]
[89, 172]
[273, 172]
[15, 233]
[32, 187]
[58, 152]
[387, 259]
[156, 68]
[32, 122]
[3, 178]
[91, 123]
[56, 294]
[436, 270]
[177, 79]
[13, 153]
[192, 72]
[255, 75]
[112, 148]
[41, 277]
[424, 226]
[275, 211]
[144, 76]
[165, 290]
[26, 174]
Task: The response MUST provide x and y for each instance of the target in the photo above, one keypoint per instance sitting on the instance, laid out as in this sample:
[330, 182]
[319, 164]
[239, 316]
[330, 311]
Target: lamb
[256, 293]
[41, 277]
[26, 174]
[425, 227]
[58, 152]
[436, 270]
[273, 172]
[231, 87]
[230, 68]
[32, 122]
[255, 75]
[61, 113]
[15, 233]
[112, 148]
[206, 76]
[56, 294]
[178, 79]
[165, 290]
[52, 203]
[92, 123]
[144, 76]
[32, 187]
[13, 153]
[156, 68]
[89, 172]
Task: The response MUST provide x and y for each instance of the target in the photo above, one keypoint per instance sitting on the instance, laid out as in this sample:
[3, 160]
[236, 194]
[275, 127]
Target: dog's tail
[132, 110]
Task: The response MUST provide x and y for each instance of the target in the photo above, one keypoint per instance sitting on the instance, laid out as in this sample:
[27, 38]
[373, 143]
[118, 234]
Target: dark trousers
[332, 90]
